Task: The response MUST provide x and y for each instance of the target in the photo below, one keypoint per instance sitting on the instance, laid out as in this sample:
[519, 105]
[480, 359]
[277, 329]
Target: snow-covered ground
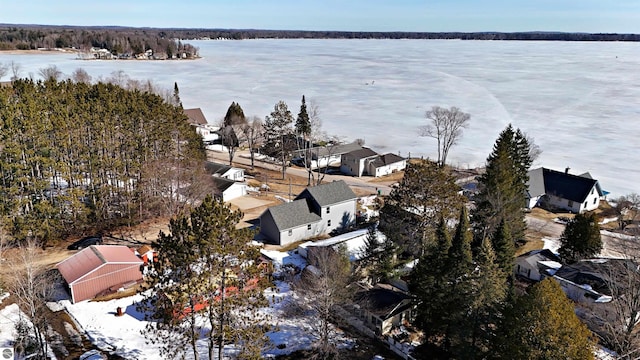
[577, 99]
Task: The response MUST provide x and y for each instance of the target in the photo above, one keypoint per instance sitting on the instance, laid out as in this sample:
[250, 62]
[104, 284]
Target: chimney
[566, 170]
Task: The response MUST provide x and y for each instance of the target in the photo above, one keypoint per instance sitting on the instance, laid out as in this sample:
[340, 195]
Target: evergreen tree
[303, 124]
[429, 285]
[489, 290]
[502, 187]
[411, 212]
[580, 238]
[543, 325]
[234, 115]
[207, 261]
[278, 134]
[176, 95]
[504, 248]
[370, 253]
[459, 267]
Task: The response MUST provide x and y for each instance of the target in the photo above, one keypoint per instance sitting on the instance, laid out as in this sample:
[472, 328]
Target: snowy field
[579, 100]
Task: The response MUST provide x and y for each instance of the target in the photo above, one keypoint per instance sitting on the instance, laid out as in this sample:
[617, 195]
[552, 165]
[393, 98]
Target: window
[594, 201]
[290, 232]
[586, 203]
[329, 223]
[328, 209]
[309, 227]
[591, 191]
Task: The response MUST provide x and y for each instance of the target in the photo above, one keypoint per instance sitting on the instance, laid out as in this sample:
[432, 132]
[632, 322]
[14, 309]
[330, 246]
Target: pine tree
[502, 187]
[580, 238]
[277, 133]
[206, 260]
[303, 124]
[234, 115]
[489, 290]
[176, 95]
[429, 285]
[543, 325]
[370, 253]
[504, 248]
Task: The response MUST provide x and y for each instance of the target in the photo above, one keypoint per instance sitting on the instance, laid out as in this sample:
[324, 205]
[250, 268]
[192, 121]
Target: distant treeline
[125, 40]
[119, 41]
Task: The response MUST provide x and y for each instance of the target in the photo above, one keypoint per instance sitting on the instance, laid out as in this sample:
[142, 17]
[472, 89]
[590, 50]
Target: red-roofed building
[99, 269]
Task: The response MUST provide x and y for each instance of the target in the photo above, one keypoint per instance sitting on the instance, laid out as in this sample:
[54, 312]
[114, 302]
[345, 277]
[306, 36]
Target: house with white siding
[562, 190]
[318, 210]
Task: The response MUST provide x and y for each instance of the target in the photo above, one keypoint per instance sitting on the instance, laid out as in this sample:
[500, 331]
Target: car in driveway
[85, 242]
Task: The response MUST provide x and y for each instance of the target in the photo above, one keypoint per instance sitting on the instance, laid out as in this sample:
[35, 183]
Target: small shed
[99, 269]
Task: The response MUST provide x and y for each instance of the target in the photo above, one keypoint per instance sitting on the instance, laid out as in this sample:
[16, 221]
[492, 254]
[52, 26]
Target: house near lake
[562, 190]
[318, 210]
[365, 161]
[228, 181]
[535, 265]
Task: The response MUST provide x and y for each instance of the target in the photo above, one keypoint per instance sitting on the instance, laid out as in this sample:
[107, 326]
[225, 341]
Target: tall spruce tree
[504, 248]
[543, 325]
[580, 238]
[502, 187]
[303, 124]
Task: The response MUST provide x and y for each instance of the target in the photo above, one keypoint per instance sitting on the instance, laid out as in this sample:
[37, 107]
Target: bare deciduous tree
[3, 70]
[251, 132]
[50, 72]
[322, 287]
[81, 76]
[32, 285]
[617, 321]
[446, 127]
[15, 71]
[628, 209]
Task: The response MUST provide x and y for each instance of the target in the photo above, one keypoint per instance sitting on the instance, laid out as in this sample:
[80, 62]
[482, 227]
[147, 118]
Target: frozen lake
[580, 101]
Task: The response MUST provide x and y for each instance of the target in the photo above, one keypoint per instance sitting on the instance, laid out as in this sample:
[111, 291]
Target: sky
[617, 16]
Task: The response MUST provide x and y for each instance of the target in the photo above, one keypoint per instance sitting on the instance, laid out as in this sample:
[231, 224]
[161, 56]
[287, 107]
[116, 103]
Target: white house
[323, 156]
[386, 164]
[586, 280]
[225, 171]
[316, 211]
[228, 189]
[356, 162]
[574, 193]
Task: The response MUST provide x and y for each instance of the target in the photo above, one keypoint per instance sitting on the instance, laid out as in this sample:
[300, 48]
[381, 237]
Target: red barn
[99, 269]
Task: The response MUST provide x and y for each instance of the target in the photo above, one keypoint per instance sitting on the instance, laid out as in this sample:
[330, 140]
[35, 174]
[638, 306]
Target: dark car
[85, 242]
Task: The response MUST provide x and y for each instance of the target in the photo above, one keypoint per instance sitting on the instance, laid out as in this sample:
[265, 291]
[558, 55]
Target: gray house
[356, 162]
[316, 211]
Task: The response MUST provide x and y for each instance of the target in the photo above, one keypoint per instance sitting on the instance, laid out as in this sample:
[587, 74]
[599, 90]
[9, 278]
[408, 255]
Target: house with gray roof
[562, 190]
[356, 162]
[365, 161]
[316, 211]
[228, 181]
[329, 155]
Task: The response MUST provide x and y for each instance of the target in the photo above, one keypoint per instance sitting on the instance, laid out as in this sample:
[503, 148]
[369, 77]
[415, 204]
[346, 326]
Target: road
[242, 157]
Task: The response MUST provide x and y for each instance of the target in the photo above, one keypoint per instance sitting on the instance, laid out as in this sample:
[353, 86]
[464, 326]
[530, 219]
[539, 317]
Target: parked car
[85, 242]
[93, 355]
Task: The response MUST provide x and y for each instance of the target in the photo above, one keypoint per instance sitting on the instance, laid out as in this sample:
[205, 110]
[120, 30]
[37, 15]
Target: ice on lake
[579, 100]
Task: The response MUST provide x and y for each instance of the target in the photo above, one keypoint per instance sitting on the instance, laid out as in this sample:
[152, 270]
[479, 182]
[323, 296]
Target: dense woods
[125, 40]
[76, 157]
[122, 42]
